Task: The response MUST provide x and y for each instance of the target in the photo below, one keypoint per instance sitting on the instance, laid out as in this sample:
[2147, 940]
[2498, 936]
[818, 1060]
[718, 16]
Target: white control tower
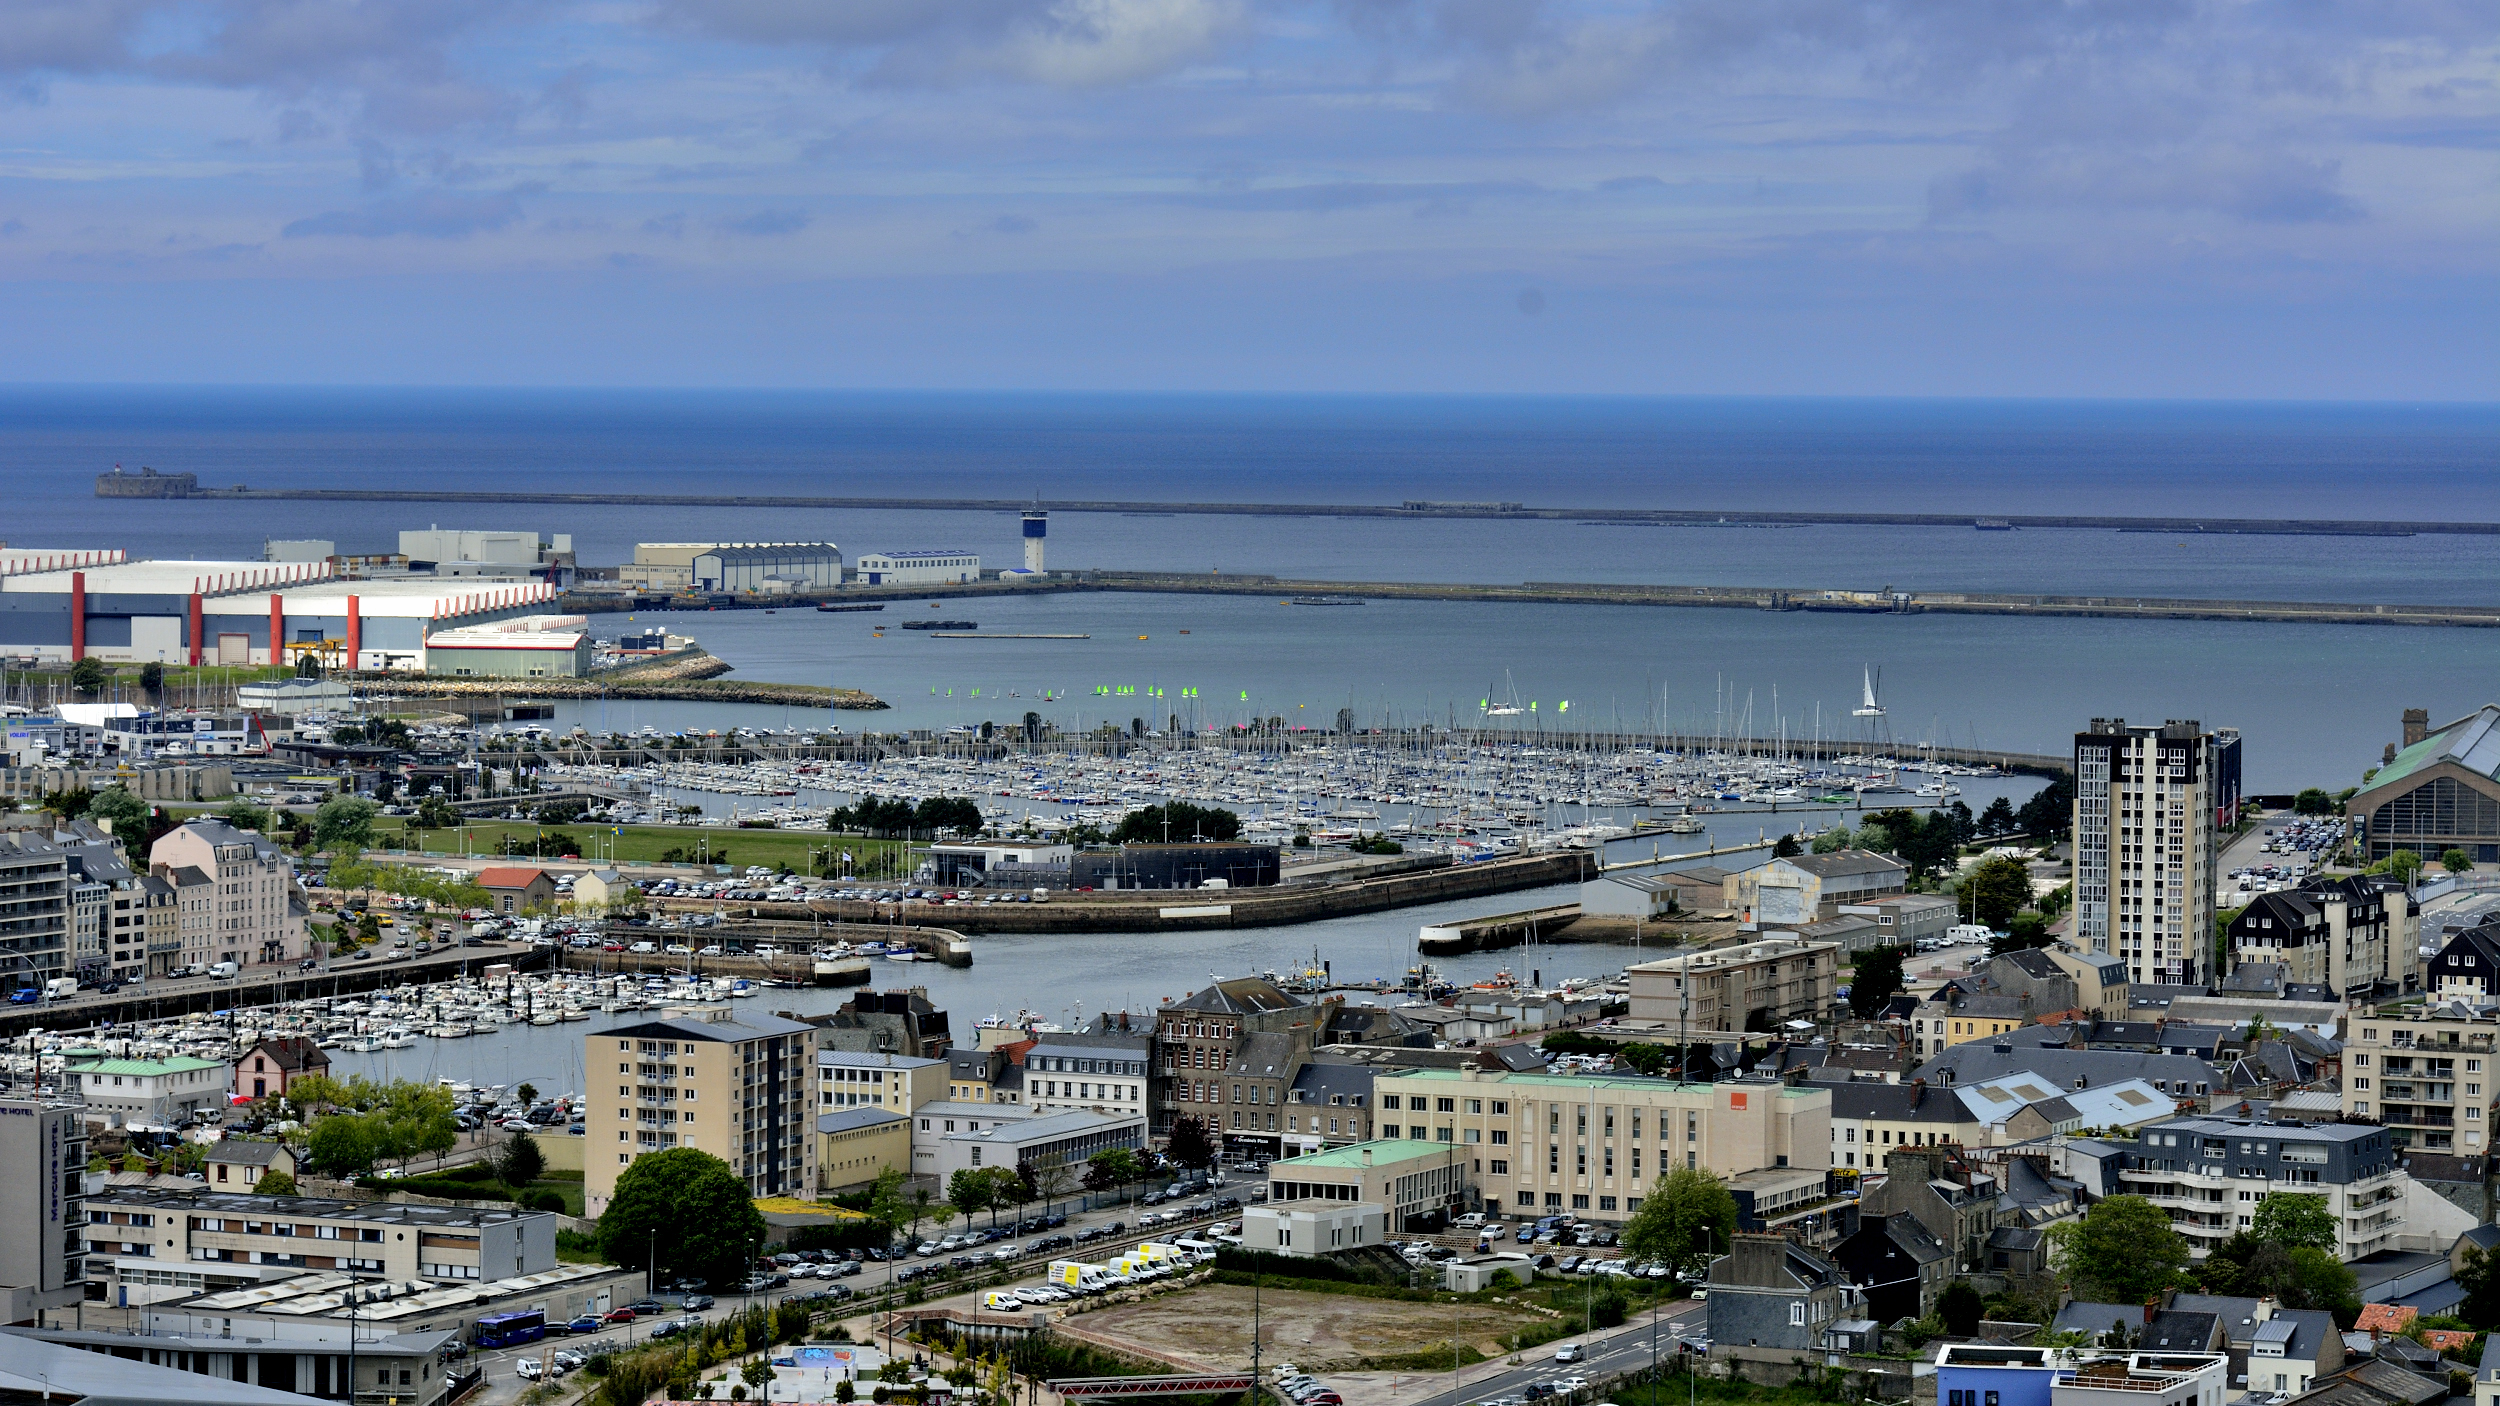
[1036, 527]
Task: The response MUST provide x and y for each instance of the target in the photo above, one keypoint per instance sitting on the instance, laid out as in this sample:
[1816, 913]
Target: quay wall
[183, 486]
[261, 986]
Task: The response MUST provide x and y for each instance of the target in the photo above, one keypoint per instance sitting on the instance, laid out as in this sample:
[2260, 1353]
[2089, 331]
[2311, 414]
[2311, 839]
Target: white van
[60, 988]
[223, 971]
[1968, 932]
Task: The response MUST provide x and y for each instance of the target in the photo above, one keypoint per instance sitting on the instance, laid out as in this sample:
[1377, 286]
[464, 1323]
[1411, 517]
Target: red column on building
[277, 628]
[355, 633]
[77, 616]
[199, 623]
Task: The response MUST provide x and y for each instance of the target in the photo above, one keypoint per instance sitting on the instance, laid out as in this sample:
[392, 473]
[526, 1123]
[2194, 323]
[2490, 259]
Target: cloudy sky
[1930, 197]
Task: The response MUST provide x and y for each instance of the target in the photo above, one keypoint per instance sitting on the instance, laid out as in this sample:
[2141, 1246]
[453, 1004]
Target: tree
[89, 676]
[1051, 1180]
[1786, 847]
[2051, 810]
[274, 1183]
[521, 1162]
[1994, 891]
[345, 822]
[1997, 819]
[1832, 841]
[957, 814]
[689, 1206]
[2457, 861]
[342, 1145]
[1190, 1145]
[1961, 1308]
[2027, 931]
[2313, 801]
[887, 1205]
[2403, 864]
[1179, 823]
[242, 814]
[1876, 981]
[2122, 1251]
[1112, 1168]
[127, 814]
[1688, 1218]
[2292, 1219]
[2479, 1277]
[970, 1191]
[152, 678]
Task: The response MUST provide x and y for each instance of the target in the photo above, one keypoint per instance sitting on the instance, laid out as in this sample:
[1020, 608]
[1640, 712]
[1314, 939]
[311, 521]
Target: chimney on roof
[2417, 725]
[1367, 1156]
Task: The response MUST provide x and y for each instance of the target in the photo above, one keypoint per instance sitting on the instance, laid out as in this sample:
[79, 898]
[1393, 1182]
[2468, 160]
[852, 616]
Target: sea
[2317, 703]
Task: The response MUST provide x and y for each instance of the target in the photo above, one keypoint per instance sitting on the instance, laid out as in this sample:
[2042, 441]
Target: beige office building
[1752, 987]
[1543, 1144]
[736, 1084]
[2433, 1083]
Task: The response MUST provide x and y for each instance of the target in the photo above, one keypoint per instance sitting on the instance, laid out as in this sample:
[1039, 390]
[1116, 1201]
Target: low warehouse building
[1311, 1228]
[532, 647]
[940, 567]
[767, 568]
[1177, 867]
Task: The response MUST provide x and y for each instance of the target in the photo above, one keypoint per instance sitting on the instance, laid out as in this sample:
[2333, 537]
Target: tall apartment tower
[1036, 527]
[2150, 805]
[43, 1166]
[736, 1084]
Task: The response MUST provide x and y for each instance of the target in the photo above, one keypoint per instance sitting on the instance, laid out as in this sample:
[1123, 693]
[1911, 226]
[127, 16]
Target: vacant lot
[1211, 1326]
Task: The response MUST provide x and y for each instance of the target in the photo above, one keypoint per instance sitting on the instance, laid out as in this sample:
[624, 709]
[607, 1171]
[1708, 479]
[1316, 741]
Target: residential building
[268, 1068]
[1066, 1139]
[1900, 1269]
[1805, 888]
[2331, 932]
[1989, 1374]
[2179, 1076]
[514, 889]
[1408, 1180]
[2440, 792]
[1229, 1053]
[2467, 968]
[145, 1245]
[2430, 1075]
[1107, 1073]
[2100, 980]
[1592, 1146]
[1869, 1119]
[34, 904]
[984, 1076]
[1961, 1011]
[1963, 1204]
[43, 1194]
[2209, 1174]
[1755, 986]
[735, 1083]
[893, 1083]
[146, 1093]
[1770, 1296]
[857, 1145]
[238, 1164]
[2149, 804]
[196, 930]
[899, 1022]
[1330, 1105]
[253, 904]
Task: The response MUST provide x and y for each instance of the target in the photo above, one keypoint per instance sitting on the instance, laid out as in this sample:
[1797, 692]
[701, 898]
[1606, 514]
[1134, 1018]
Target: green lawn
[645, 844]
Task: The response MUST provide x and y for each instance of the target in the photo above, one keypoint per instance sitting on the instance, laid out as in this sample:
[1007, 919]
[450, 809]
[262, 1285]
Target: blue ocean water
[2316, 701]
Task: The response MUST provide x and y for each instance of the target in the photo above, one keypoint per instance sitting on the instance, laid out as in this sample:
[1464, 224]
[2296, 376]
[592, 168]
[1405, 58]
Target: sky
[2164, 198]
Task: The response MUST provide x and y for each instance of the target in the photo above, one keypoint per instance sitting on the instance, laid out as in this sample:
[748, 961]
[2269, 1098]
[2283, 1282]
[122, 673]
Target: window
[1796, 1313]
[1499, 1167]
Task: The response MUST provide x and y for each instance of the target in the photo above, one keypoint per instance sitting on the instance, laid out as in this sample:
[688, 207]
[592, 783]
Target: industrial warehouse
[61, 607]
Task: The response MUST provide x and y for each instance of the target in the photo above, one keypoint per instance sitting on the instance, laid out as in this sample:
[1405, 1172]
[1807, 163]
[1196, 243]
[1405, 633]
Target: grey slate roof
[2095, 1318]
[1978, 1060]
[1243, 995]
[2173, 1331]
[844, 1120]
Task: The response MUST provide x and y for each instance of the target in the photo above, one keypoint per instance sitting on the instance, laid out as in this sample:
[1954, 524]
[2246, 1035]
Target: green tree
[758, 1372]
[1688, 1217]
[1051, 1180]
[243, 814]
[342, 1145]
[1832, 841]
[521, 1162]
[970, 1191]
[1179, 822]
[128, 814]
[1190, 1144]
[2027, 931]
[956, 814]
[152, 678]
[345, 822]
[1112, 1168]
[2479, 1276]
[2122, 1251]
[1997, 819]
[2313, 801]
[274, 1183]
[692, 1206]
[2051, 810]
[1786, 847]
[2457, 861]
[2403, 864]
[1876, 981]
[1961, 1307]
[89, 676]
[887, 1205]
[1994, 891]
[2292, 1219]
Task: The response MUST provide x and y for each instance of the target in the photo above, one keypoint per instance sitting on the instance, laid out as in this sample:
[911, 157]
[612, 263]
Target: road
[1623, 1349]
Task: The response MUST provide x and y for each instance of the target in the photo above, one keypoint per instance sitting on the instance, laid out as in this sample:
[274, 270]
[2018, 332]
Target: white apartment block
[2147, 805]
[2431, 1078]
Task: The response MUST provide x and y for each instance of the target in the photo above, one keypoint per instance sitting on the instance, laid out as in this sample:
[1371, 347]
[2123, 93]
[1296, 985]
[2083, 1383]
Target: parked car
[587, 1323]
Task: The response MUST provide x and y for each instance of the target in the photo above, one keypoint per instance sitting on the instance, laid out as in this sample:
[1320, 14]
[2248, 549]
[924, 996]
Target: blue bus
[511, 1329]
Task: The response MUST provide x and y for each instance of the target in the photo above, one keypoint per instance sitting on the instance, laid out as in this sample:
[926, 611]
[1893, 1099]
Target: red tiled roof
[2445, 1340]
[2384, 1318]
[509, 878]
